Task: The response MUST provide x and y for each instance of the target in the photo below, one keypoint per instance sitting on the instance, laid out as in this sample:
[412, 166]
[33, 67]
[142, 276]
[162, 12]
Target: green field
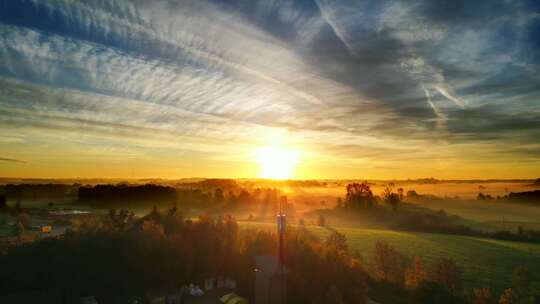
[490, 215]
[485, 262]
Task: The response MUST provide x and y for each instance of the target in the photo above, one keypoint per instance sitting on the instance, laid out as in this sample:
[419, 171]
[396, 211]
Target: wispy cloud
[12, 160]
[204, 75]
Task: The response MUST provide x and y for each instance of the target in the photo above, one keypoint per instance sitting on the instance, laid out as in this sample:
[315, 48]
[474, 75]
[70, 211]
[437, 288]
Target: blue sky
[375, 89]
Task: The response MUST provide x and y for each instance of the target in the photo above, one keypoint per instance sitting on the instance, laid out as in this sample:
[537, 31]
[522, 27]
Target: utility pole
[281, 222]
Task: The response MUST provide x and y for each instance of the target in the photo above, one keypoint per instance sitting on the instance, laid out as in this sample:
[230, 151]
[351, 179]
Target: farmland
[485, 262]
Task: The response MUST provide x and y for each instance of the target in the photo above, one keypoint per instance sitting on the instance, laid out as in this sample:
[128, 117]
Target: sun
[277, 163]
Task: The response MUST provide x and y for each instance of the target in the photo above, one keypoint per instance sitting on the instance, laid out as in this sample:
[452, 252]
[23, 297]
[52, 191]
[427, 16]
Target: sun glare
[277, 163]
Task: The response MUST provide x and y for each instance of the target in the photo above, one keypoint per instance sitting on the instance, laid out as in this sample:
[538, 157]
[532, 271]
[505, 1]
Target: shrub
[415, 274]
[482, 296]
[448, 274]
[388, 264]
[337, 240]
[508, 297]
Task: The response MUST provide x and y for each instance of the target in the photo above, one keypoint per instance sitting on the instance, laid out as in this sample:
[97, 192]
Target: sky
[355, 89]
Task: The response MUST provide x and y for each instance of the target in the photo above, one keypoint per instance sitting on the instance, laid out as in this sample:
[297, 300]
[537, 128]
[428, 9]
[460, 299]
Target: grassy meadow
[486, 262]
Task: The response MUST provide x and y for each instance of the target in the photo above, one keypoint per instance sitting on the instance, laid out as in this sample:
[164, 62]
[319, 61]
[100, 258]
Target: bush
[432, 292]
[508, 297]
[415, 274]
[448, 274]
[389, 264]
[482, 296]
[338, 241]
[521, 280]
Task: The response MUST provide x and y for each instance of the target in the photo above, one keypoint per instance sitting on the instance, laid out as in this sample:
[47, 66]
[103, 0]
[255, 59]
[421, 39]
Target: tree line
[391, 209]
[118, 257]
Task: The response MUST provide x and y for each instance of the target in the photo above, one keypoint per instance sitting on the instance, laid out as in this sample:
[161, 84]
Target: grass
[485, 262]
[489, 215]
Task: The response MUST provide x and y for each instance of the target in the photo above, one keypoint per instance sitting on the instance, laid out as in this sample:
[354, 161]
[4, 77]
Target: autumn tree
[521, 280]
[448, 274]
[153, 230]
[388, 264]
[508, 297]
[401, 193]
[482, 296]
[390, 198]
[219, 198]
[415, 274]
[337, 240]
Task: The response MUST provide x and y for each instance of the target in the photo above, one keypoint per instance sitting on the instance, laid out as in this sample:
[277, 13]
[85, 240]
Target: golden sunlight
[277, 163]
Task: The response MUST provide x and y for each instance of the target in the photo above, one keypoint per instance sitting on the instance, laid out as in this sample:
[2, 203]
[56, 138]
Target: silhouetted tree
[390, 198]
[123, 194]
[244, 197]
[400, 193]
[359, 196]
[219, 198]
[232, 200]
